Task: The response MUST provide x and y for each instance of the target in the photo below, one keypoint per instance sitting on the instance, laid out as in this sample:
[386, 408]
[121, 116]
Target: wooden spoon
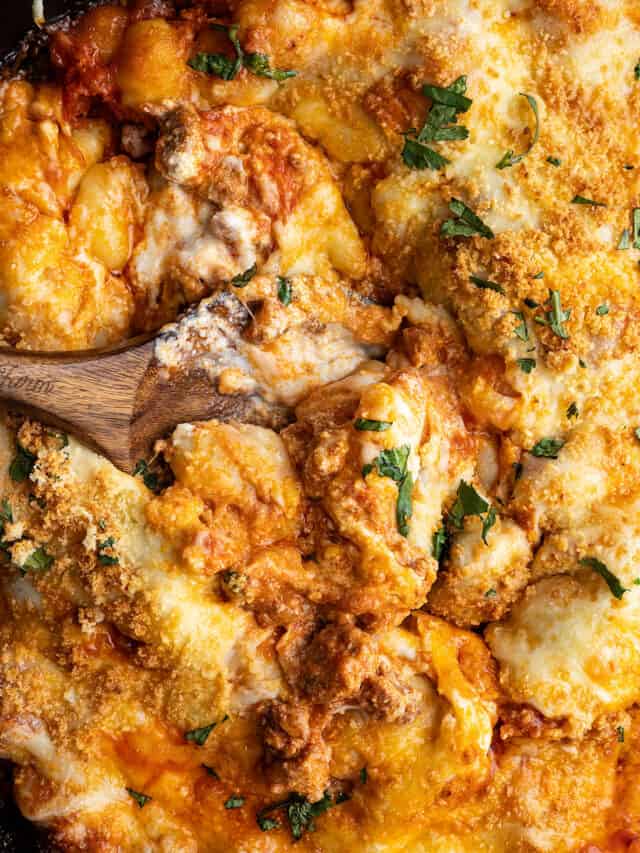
[120, 400]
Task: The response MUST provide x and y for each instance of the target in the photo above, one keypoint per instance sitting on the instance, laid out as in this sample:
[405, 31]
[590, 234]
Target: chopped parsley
[555, 317]
[243, 278]
[369, 425]
[199, 736]
[37, 561]
[393, 464]
[219, 64]
[468, 502]
[284, 290]
[620, 734]
[538, 274]
[107, 559]
[440, 125]
[580, 199]
[416, 155]
[440, 543]
[210, 771]
[510, 158]
[490, 593]
[521, 331]
[547, 448]
[602, 310]
[258, 64]
[485, 284]
[612, 581]
[465, 224]
[636, 70]
[234, 802]
[141, 799]
[526, 365]
[300, 813]
[555, 161]
[404, 505]
[22, 464]
[364, 776]
[390, 463]
[636, 227]
[225, 67]
[572, 410]
[149, 478]
[6, 514]
[625, 241]
[487, 523]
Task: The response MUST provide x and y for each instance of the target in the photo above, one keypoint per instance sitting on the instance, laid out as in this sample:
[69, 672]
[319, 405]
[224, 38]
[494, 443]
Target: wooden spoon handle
[92, 395]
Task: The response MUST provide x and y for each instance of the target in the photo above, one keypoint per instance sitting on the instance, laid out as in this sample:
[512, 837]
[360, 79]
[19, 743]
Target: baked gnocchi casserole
[406, 617]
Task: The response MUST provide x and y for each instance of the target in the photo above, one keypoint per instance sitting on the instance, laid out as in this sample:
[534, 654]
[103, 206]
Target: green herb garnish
[440, 543]
[393, 464]
[487, 523]
[526, 365]
[521, 331]
[107, 559]
[234, 802]
[620, 734]
[547, 448]
[364, 776]
[511, 159]
[417, 155]
[555, 161]
[555, 317]
[439, 126]
[38, 561]
[369, 425]
[636, 227]
[258, 64]
[404, 504]
[148, 477]
[602, 310]
[243, 278]
[210, 771]
[220, 65]
[572, 411]
[199, 736]
[468, 502]
[485, 284]
[465, 224]
[284, 290]
[617, 590]
[625, 242]
[300, 813]
[22, 464]
[141, 799]
[580, 199]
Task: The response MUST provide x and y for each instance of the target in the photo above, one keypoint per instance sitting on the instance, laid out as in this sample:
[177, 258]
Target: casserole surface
[410, 619]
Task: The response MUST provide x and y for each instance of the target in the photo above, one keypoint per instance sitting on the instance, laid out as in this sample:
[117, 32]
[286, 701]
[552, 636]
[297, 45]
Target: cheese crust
[401, 613]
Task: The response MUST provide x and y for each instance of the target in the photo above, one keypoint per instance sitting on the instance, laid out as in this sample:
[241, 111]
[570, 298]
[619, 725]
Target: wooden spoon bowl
[120, 400]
